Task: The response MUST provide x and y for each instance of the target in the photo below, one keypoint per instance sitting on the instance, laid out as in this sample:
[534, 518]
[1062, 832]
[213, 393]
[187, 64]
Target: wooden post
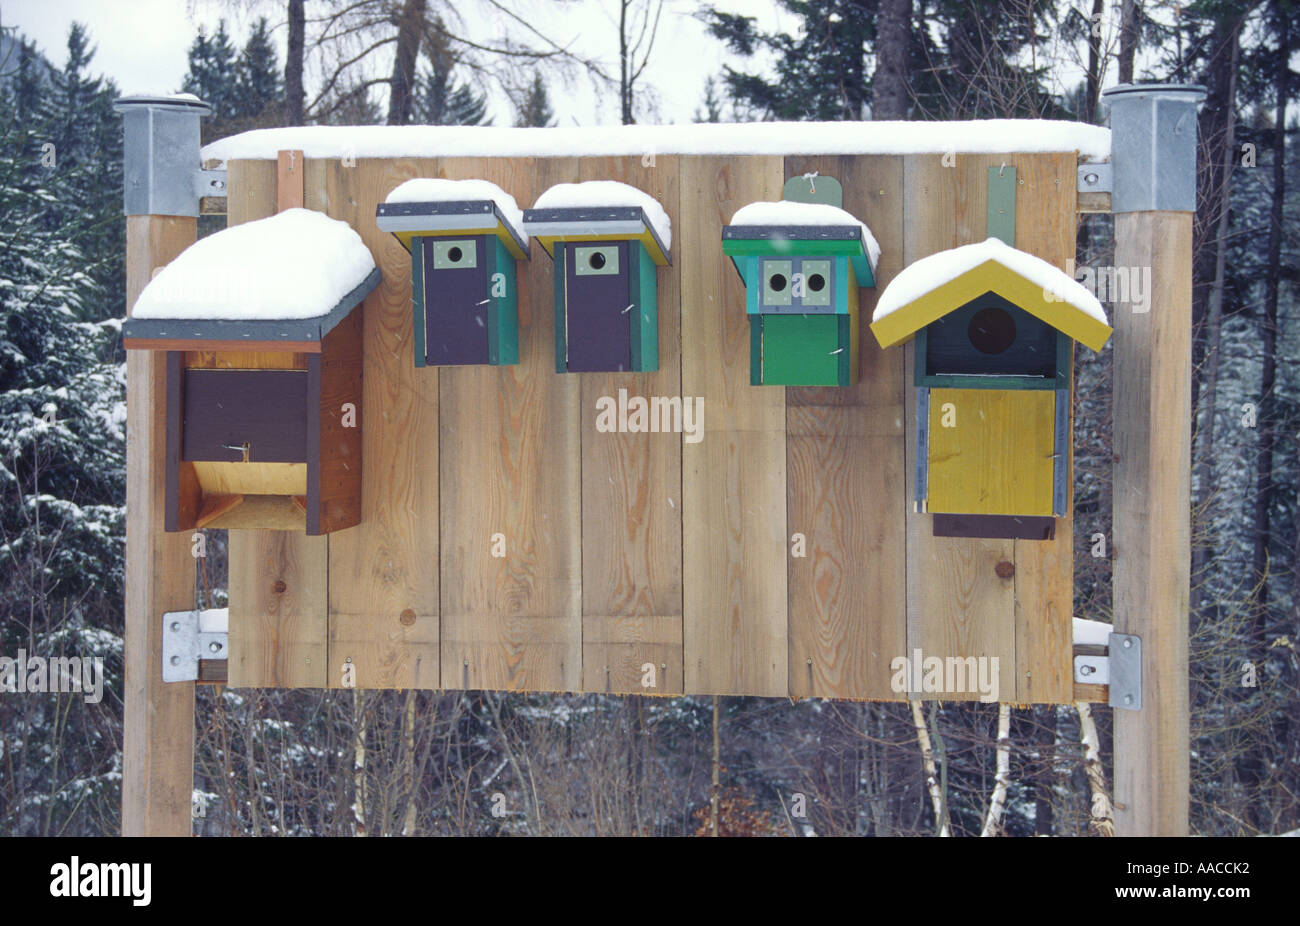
[1154, 198]
[158, 722]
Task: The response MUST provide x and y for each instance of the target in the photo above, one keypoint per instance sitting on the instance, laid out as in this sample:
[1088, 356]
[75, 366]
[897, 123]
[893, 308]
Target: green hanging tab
[1002, 204]
[809, 188]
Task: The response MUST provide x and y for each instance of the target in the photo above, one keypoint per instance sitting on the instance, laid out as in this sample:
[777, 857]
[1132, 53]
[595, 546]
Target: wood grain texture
[383, 597]
[734, 538]
[339, 479]
[845, 456]
[158, 717]
[277, 631]
[1045, 227]
[272, 634]
[253, 478]
[997, 457]
[957, 606]
[631, 493]
[288, 180]
[509, 465]
[1152, 522]
[244, 360]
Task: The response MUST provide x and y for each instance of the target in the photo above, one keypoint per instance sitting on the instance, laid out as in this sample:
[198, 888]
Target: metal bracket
[209, 183]
[1095, 178]
[1125, 655]
[1092, 670]
[189, 636]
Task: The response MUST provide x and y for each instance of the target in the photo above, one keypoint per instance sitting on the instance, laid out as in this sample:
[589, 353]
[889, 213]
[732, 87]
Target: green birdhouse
[803, 261]
[465, 237]
[606, 240]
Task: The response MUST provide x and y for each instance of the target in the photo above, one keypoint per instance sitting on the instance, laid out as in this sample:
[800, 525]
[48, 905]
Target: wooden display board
[636, 555]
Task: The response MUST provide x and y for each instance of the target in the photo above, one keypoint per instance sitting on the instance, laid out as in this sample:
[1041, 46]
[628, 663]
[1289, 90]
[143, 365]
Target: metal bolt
[176, 660]
[1085, 670]
[1091, 178]
[1128, 644]
[1128, 699]
[214, 647]
[176, 626]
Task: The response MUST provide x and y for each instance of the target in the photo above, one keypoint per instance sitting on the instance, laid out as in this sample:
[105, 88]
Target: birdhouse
[606, 240]
[994, 329]
[802, 261]
[261, 326]
[464, 237]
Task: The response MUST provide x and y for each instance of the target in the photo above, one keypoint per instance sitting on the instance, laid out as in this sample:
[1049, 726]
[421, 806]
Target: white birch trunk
[1102, 817]
[999, 799]
[931, 771]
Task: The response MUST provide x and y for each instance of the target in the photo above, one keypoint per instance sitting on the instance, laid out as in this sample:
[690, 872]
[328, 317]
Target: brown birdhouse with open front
[261, 325]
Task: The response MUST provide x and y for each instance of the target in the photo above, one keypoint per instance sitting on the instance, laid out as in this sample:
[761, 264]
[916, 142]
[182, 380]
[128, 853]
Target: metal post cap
[1153, 146]
[174, 102]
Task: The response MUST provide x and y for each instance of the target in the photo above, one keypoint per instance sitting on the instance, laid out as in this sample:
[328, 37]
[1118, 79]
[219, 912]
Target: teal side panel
[645, 323]
[490, 263]
[845, 356]
[417, 300]
[843, 280]
[756, 350]
[753, 285]
[503, 309]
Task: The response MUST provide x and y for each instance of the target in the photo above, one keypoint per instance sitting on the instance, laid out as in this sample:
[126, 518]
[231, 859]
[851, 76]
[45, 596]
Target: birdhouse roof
[800, 221]
[786, 228]
[600, 210]
[437, 207]
[290, 277]
[933, 286]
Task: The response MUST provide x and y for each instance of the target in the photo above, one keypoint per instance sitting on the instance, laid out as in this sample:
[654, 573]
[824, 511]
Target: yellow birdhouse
[994, 330]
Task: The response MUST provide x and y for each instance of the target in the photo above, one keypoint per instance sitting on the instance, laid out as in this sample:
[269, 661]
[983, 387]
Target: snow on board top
[599, 193]
[929, 273]
[985, 136]
[439, 190]
[298, 264]
[788, 212]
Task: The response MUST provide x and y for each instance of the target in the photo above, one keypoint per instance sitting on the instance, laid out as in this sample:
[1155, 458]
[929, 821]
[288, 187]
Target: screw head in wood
[1005, 569]
[407, 617]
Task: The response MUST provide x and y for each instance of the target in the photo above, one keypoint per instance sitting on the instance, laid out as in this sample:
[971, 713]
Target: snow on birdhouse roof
[598, 194]
[439, 190]
[933, 286]
[294, 266]
[986, 136]
[789, 213]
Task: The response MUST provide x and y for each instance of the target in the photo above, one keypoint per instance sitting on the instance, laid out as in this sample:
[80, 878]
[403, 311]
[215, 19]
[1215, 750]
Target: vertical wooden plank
[289, 166]
[383, 573]
[631, 492]
[158, 717]
[845, 457]
[277, 578]
[734, 577]
[1046, 201]
[957, 604]
[1152, 520]
[277, 610]
[509, 465]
